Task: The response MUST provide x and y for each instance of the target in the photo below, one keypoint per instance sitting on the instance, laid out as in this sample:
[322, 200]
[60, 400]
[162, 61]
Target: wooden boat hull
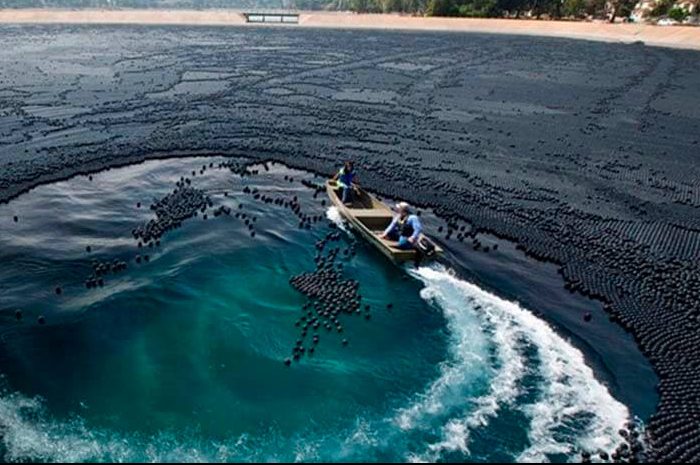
[369, 217]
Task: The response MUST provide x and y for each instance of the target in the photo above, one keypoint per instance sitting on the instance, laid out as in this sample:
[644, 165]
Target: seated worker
[405, 228]
[345, 178]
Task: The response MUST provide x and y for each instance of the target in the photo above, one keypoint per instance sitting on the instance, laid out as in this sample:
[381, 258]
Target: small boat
[370, 217]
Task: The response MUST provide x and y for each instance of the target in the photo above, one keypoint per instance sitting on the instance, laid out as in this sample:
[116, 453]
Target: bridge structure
[274, 16]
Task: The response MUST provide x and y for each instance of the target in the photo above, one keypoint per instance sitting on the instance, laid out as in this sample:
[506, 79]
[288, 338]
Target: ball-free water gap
[185, 350]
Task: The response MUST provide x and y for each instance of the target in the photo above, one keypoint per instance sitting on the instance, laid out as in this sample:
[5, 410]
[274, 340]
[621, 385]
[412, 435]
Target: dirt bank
[677, 37]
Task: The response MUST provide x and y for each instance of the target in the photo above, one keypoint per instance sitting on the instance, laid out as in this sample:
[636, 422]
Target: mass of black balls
[101, 269]
[630, 449]
[306, 221]
[330, 296]
[183, 203]
[616, 210]
[241, 169]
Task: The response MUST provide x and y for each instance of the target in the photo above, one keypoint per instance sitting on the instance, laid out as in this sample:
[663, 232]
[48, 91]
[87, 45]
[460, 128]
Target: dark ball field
[585, 154]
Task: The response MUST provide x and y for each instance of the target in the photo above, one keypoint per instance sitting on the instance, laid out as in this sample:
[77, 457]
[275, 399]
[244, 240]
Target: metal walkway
[272, 16]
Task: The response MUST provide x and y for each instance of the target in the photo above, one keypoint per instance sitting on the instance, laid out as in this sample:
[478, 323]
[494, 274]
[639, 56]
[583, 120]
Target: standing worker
[404, 228]
[345, 178]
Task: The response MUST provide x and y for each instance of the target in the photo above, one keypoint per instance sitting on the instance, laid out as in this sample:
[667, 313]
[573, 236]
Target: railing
[272, 16]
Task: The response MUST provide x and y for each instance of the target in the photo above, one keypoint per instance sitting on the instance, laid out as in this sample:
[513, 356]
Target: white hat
[403, 206]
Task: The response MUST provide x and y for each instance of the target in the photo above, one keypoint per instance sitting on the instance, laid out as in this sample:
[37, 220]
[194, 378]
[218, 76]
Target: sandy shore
[676, 37]
[177, 17]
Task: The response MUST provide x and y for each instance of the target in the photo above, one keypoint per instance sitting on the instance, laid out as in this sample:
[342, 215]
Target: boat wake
[537, 376]
[510, 389]
[333, 215]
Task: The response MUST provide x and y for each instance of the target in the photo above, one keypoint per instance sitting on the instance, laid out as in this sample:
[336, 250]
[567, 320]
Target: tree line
[500, 8]
[557, 9]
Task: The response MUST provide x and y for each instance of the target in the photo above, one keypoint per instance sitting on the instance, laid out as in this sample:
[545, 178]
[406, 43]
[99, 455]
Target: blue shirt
[346, 178]
[413, 220]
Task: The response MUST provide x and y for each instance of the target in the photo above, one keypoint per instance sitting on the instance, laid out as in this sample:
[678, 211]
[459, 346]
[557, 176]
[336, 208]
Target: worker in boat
[405, 228]
[345, 178]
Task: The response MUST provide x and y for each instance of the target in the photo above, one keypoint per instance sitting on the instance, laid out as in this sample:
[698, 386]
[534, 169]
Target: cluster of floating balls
[463, 233]
[186, 202]
[183, 203]
[330, 297]
[631, 448]
[102, 268]
[305, 221]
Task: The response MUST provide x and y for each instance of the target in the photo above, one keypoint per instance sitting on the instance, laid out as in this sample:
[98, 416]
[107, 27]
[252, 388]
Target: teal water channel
[182, 357]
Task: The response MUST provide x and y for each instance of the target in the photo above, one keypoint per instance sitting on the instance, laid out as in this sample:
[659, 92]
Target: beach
[663, 36]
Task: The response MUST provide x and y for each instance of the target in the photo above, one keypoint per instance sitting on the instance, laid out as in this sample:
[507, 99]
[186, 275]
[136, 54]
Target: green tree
[414, 6]
[677, 13]
[555, 8]
[512, 7]
[538, 7]
[441, 8]
[364, 6]
[479, 8]
[389, 6]
[574, 8]
[621, 8]
[662, 8]
[595, 8]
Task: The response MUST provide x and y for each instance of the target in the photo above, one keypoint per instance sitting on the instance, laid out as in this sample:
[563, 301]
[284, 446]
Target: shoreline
[682, 37]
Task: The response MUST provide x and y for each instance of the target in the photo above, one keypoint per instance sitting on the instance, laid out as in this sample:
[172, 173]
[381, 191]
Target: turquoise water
[182, 357]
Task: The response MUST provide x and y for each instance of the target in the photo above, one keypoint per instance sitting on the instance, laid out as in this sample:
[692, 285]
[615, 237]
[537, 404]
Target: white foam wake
[333, 214]
[568, 390]
[492, 346]
[27, 435]
[467, 363]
